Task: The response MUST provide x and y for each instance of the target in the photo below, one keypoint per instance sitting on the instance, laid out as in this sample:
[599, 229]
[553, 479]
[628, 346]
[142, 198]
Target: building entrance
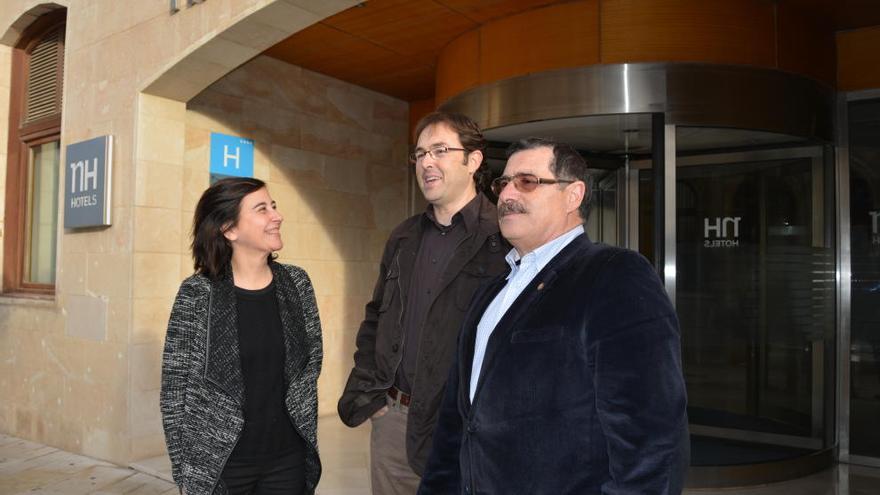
[755, 291]
[755, 294]
[724, 178]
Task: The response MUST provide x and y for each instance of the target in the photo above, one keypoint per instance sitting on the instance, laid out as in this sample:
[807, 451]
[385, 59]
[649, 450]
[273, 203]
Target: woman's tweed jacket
[202, 384]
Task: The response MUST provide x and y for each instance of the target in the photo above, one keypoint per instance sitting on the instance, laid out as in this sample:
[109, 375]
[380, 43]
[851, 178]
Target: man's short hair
[567, 164]
[469, 134]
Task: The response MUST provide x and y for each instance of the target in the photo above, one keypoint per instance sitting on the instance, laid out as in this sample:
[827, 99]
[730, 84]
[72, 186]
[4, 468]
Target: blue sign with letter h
[231, 156]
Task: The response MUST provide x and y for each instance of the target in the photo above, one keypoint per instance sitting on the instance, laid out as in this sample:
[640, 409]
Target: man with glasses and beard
[567, 378]
[431, 267]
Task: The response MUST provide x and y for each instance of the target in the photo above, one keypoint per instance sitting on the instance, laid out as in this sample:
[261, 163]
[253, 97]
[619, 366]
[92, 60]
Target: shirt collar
[539, 258]
[469, 214]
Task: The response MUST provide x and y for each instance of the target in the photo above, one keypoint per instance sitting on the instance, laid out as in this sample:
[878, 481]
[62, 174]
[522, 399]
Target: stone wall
[64, 380]
[334, 156]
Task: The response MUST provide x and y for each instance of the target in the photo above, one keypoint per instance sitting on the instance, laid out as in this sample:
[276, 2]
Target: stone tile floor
[27, 467]
[31, 468]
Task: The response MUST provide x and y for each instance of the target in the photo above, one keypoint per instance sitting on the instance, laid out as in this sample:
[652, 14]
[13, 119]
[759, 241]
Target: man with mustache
[568, 377]
[432, 264]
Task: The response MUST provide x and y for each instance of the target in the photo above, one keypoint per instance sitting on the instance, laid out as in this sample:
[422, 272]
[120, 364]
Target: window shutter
[45, 65]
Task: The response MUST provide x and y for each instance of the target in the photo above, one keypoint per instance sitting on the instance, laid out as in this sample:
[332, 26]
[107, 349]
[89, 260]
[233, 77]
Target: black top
[439, 243]
[268, 431]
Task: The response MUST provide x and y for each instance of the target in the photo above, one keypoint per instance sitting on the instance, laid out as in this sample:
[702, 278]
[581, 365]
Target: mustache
[510, 206]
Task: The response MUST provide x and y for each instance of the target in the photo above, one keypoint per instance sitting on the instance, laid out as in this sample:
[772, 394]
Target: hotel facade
[736, 144]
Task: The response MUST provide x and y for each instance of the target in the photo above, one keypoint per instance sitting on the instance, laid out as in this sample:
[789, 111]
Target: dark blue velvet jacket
[581, 390]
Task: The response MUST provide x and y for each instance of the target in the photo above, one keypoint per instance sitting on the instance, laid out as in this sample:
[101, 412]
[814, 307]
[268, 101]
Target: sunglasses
[523, 182]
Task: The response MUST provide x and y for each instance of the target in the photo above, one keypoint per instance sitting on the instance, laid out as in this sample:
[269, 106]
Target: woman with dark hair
[242, 355]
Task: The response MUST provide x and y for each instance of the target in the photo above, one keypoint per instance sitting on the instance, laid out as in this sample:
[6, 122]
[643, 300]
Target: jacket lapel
[482, 299]
[223, 362]
[472, 244]
[290, 310]
[522, 307]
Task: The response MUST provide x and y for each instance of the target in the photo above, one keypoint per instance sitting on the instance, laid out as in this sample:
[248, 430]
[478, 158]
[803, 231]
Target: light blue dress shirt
[522, 271]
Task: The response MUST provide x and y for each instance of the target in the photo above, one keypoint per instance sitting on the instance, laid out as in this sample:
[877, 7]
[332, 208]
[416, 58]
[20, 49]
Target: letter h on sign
[227, 156]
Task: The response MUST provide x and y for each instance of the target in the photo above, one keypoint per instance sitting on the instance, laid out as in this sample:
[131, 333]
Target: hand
[381, 412]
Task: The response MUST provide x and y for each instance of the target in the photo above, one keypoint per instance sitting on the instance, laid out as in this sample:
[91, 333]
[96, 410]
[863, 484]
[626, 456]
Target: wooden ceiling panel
[858, 63]
[313, 46]
[487, 10]
[855, 14]
[392, 46]
[328, 51]
[411, 84]
[721, 31]
[805, 43]
[414, 28]
[845, 14]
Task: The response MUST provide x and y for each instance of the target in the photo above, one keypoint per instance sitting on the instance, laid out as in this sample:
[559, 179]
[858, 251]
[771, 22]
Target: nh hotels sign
[87, 183]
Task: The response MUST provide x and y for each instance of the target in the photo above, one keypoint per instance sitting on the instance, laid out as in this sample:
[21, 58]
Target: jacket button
[472, 428]
[394, 348]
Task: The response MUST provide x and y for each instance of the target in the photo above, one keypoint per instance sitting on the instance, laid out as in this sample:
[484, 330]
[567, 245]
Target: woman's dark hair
[216, 212]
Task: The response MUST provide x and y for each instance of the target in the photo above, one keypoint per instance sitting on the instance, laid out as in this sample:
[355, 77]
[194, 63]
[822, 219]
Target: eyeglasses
[523, 182]
[436, 153]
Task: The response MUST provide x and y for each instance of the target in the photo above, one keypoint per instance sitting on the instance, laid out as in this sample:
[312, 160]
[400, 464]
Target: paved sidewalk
[32, 468]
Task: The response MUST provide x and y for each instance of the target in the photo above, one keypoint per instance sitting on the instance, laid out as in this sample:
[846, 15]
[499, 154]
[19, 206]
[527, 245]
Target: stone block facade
[159, 82]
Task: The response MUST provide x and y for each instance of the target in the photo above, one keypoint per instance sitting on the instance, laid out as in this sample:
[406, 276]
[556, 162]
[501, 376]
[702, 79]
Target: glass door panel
[864, 131]
[605, 222]
[755, 269]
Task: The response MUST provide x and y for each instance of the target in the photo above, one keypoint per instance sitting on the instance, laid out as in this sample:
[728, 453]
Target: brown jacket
[380, 337]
